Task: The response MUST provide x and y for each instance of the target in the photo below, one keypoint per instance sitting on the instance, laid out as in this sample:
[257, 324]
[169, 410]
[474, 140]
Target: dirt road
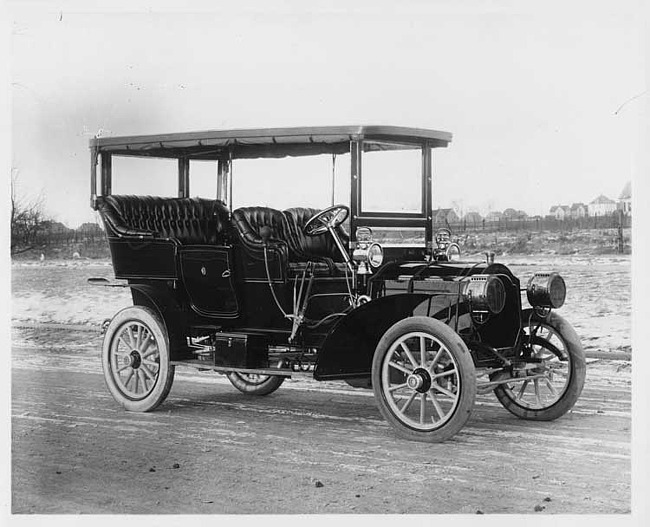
[309, 448]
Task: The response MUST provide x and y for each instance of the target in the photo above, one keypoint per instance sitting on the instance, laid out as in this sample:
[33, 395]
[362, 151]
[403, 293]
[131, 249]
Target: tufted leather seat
[250, 220]
[189, 221]
[303, 247]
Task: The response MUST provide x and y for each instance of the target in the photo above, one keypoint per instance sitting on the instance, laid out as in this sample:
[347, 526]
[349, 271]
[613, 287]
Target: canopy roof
[270, 142]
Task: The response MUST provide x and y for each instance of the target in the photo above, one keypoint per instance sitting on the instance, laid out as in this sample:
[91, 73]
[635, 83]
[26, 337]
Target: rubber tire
[467, 373]
[264, 388]
[165, 378]
[577, 373]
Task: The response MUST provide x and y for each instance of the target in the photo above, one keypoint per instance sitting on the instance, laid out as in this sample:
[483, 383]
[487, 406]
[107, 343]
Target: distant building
[494, 215]
[55, 227]
[444, 216]
[601, 206]
[560, 212]
[510, 213]
[473, 218]
[625, 199]
[90, 228]
[578, 210]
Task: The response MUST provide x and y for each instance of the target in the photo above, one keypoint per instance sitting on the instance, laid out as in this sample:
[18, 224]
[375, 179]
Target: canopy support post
[183, 177]
[107, 173]
[333, 176]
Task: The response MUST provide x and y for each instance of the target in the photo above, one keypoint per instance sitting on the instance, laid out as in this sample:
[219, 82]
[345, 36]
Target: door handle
[226, 274]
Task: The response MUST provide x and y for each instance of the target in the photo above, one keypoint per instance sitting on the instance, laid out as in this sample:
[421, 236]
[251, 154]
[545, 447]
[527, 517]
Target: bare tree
[27, 218]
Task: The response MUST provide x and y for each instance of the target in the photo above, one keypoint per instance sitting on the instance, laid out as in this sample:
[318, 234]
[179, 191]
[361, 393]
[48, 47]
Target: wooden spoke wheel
[555, 369]
[135, 359]
[424, 379]
[255, 384]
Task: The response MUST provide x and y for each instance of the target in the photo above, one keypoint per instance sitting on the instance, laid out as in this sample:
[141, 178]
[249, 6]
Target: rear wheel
[135, 359]
[254, 384]
[424, 379]
[555, 369]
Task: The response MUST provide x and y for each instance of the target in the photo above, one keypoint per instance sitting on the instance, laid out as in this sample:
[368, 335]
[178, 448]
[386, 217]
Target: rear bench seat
[145, 231]
[187, 221]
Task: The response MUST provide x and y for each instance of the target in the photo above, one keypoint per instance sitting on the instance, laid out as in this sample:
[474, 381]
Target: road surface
[308, 448]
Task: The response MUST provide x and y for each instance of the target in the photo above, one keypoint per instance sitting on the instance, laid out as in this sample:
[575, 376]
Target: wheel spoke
[423, 351]
[398, 387]
[435, 360]
[149, 362]
[138, 337]
[129, 332]
[522, 389]
[443, 374]
[400, 368]
[122, 368]
[144, 343]
[423, 402]
[551, 388]
[143, 380]
[537, 394]
[126, 345]
[146, 372]
[436, 404]
[409, 355]
[128, 378]
[149, 352]
[436, 386]
[408, 402]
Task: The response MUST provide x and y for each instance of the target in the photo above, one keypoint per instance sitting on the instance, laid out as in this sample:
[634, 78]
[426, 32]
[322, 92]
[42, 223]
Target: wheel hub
[419, 380]
[134, 359]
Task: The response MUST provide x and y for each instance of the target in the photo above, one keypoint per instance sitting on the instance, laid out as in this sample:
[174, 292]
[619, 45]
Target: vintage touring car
[363, 292]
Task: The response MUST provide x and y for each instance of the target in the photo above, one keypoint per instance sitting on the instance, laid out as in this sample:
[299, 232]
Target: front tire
[423, 361]
[254, 384]
[136, 360]
[561, 371]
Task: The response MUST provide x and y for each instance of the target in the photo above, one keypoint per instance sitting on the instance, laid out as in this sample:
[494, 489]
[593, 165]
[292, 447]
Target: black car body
[262, 294]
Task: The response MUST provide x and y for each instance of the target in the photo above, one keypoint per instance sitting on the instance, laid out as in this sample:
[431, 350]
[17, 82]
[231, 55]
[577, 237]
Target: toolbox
[240, 350]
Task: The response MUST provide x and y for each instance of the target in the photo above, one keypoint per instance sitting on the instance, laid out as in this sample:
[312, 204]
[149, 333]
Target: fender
[349, 348]
[165, 303]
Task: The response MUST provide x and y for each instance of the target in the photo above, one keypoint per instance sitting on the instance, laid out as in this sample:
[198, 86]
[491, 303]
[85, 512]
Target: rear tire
[135, 359]
[254, 384]
[422, 360]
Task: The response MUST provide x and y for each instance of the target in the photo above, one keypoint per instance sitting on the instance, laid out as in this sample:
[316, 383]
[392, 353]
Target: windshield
[392, 181]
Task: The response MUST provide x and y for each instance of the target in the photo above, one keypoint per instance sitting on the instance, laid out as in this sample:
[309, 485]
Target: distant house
[473, 218]
[494, 215]
[578, 210]
[444, 216]
[560, 212]
[625, 199]
[601, 206]
[91, 230]
[55, 227]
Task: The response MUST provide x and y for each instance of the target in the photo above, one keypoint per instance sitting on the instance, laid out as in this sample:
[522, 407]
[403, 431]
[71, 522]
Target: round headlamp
[485, 293]
[375, 255]
[546, 290]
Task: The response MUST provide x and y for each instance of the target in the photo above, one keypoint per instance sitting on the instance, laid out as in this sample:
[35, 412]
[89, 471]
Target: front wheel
[135, 359]
[254, 384]
[424, 379]
[555, 371]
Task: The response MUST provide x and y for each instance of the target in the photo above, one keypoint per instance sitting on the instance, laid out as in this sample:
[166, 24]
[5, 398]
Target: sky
[544, 99]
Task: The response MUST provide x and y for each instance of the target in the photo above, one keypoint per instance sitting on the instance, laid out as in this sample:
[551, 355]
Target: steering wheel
[322, 221]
